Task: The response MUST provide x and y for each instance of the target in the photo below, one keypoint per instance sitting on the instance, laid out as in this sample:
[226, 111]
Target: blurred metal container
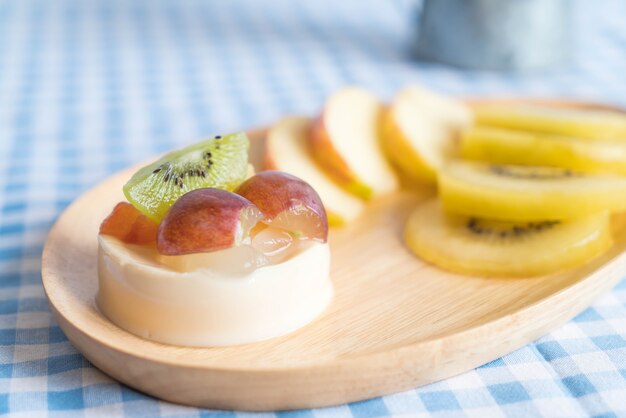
[496, 34]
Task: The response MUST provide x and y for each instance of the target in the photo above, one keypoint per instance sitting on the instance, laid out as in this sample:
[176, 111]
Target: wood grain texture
[395, 323]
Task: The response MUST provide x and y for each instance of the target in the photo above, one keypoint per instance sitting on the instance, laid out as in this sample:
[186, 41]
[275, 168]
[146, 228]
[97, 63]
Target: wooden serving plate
[395, 322]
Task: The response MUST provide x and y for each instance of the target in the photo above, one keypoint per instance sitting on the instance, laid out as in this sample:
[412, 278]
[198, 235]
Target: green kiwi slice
[220, 162]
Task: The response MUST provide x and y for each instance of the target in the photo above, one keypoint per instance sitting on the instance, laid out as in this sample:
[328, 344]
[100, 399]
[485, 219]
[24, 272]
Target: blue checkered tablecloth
[89, 87]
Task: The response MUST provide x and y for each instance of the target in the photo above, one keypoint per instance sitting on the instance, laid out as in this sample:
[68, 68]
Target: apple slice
[287, 203]
[206, 220]
[419, 130]
[287, 149]
[129, 225]
[346, 142]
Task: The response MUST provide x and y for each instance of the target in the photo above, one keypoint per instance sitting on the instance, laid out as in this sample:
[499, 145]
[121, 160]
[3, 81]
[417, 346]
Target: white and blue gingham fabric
[89, 87]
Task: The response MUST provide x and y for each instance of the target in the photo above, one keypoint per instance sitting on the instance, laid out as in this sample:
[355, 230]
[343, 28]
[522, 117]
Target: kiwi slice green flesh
[220, 162]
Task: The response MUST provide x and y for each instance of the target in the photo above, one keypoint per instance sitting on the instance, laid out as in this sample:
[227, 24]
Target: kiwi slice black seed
[220, 162]
[527, 193]
[490, 248]
[496, 229]
[533, 173]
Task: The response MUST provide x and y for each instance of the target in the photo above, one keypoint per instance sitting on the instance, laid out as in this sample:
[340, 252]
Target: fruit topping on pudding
[129, 225]
[220, 162]
[206, 220]
[288, 203]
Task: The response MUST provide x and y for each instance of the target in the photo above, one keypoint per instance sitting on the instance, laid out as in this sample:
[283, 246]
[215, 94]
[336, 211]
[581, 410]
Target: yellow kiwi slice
[474, 246]
[506, 146]
[583, 123]
[525, 193]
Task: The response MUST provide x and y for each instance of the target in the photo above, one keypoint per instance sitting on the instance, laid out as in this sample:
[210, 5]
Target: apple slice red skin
[274, 192]
[203, 220]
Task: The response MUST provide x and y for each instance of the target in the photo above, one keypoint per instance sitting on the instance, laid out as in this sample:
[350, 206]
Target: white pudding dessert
[149, 296]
